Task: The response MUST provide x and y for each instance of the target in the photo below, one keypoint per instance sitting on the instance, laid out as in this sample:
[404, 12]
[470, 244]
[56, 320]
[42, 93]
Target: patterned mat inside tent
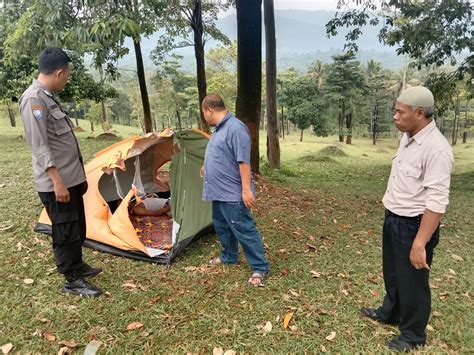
[154, 232]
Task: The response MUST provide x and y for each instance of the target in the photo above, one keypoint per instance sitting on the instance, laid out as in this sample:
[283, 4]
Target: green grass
[321, 212]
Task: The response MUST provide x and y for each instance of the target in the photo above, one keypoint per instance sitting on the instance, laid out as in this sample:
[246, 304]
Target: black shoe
[402, 346]
[81, 287]
[88, 271]
[373, 314]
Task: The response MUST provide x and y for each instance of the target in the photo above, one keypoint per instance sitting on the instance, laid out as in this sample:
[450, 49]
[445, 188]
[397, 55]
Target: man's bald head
[213, 101]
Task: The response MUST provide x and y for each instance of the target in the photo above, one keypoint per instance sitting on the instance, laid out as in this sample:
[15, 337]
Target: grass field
[321, 219]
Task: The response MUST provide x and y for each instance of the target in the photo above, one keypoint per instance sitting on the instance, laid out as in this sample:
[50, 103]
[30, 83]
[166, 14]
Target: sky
[297, 5]
[305, 4]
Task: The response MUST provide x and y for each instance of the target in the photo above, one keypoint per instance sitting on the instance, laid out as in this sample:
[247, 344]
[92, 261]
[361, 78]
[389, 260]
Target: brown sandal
[215, 261]
[257, 275]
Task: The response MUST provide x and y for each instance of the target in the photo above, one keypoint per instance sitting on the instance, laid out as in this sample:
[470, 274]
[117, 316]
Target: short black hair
[52, 59]
[213, 101]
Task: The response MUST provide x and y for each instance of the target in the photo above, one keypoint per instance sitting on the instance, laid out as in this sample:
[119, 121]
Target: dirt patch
[108, 136]
[332, 151]
[79, 129]
[317, 159]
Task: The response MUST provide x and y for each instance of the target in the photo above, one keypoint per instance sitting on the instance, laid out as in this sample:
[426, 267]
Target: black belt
[391, 214]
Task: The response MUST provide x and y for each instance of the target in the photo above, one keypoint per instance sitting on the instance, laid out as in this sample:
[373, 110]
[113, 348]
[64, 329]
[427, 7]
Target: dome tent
[114, 173]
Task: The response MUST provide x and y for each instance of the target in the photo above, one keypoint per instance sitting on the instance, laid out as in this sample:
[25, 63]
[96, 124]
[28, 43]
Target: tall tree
[191, 23]
[273, 135]
[344, 82]
[249, 71]
[221, 72]
[305, 105]
[378, 98]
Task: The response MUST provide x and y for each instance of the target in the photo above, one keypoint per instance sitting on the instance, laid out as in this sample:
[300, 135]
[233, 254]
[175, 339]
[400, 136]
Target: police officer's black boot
[76, 285]
[88, 271]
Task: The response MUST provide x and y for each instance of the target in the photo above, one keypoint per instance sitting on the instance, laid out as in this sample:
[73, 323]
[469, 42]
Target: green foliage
[300, 96]
[221, 72]
[81, 85]
[431, 32]
[178, 102]
[184, 21]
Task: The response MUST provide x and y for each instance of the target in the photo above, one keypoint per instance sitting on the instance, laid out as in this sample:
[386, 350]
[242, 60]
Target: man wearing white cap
[416, 198]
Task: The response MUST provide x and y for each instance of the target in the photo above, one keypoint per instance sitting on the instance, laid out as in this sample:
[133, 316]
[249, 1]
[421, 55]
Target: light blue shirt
[228, 147]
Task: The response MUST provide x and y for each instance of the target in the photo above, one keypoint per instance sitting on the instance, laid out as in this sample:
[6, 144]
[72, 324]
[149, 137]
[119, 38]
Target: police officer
[416, 198]
[58, 169]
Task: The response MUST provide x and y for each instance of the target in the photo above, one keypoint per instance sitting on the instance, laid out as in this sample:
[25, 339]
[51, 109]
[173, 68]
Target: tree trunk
[143, 90]
[92, 125]
[273, 149]
[301, 135]
[178, 117]
[349, 128]
[105, 115]
[197, 27]
[11, 114]
[249, 71]
[464, 134]
[456, 119]
[342, 114]
[375, 117]
[282, 124]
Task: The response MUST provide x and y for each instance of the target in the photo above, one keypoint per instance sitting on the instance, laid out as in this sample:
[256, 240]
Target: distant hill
[301, 39]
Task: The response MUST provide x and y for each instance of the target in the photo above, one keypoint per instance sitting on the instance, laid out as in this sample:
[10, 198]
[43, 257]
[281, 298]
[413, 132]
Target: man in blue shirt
[228, 184]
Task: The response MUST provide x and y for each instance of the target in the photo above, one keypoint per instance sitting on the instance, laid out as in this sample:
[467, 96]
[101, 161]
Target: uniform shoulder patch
[38, 111]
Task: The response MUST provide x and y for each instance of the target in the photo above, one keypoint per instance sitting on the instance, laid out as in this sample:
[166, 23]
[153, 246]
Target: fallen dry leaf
[331, 336]
[315, 273]
[287, 319]
[49, 336]
[294, 293]
[64, 350]
[345, 292]
[134, 325]
[44, 320]
[374, 293]
[230, 352]
[217, 351]
[129, 284]
[457, 257]
[437, 314]
[451, 271]
[28, 281]
[144, 334]
[323, 349]
[6, 348]
[268, 327]
[429, 328]
[293, 328]
[69, 343]
[190, 268]
[311, 247]
[92, 347]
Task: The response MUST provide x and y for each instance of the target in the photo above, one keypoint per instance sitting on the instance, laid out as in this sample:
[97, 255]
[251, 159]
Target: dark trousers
[69, 228]
[408, 298]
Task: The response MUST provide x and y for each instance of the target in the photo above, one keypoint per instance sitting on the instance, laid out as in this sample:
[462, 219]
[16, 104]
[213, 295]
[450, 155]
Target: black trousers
[408, 297]
[69, 228]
